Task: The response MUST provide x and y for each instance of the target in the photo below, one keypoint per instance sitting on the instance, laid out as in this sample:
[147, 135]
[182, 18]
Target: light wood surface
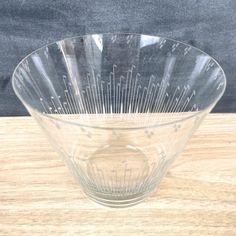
[39, 197]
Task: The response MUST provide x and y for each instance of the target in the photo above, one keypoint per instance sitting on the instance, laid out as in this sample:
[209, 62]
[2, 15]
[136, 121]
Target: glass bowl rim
[208, 108]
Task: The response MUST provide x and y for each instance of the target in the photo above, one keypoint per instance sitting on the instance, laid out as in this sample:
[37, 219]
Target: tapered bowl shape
[118, 108]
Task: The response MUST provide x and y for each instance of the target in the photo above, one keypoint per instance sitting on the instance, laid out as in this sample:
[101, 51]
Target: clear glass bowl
[118, 108]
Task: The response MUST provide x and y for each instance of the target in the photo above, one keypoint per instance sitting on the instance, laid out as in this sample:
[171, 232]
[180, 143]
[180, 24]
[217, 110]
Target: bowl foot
[115, 202]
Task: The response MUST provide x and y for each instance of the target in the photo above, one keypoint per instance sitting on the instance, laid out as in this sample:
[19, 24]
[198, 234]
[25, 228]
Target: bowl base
[117, 203]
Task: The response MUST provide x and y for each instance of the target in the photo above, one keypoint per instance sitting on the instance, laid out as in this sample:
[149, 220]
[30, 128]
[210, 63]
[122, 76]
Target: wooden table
[39, 197]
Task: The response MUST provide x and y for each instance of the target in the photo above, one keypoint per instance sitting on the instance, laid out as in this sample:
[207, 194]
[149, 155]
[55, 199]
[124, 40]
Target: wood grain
[39, 197]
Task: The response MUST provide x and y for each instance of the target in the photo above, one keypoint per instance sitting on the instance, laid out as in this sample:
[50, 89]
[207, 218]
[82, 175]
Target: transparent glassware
[118, 108]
